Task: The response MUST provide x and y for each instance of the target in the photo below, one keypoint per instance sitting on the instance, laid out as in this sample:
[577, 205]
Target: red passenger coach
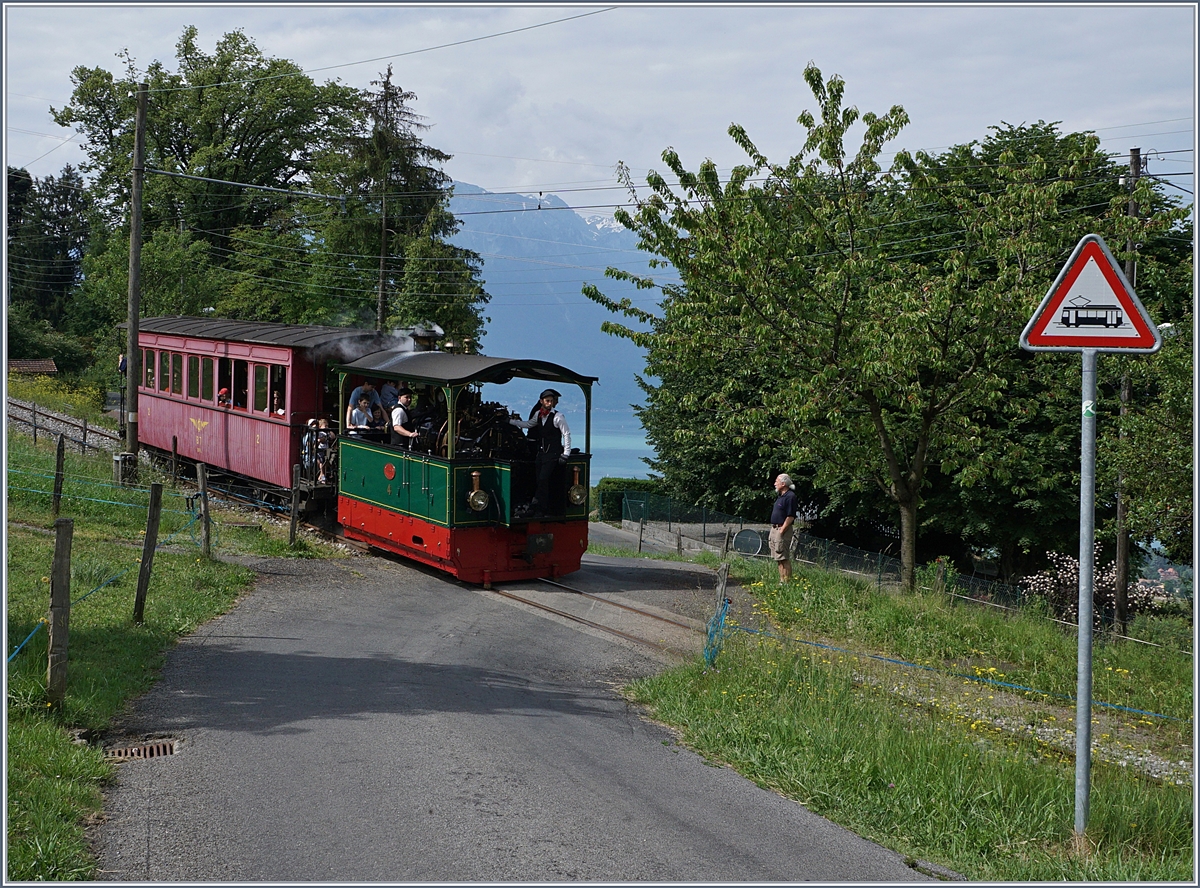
[237, 395]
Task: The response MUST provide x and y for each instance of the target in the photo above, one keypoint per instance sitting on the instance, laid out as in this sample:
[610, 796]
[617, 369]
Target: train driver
[549, 428]
[403, 430]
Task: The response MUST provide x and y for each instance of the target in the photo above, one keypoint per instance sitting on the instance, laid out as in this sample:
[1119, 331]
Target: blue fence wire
[195, 516]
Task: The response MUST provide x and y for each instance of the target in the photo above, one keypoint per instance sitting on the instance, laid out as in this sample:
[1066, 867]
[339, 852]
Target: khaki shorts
[781, 543]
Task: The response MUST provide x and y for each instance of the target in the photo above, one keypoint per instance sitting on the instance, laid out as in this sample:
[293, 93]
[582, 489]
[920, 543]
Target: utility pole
[1121, 603]
[383, 239]
[135, 278]
[386, 165]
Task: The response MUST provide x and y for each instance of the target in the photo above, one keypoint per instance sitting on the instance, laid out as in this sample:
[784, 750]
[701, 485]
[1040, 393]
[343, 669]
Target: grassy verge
[985, 804]
[915, 773]
[54, 775]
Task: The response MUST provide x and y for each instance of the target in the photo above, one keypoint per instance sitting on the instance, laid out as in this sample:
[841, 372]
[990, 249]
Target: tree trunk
[908, 544]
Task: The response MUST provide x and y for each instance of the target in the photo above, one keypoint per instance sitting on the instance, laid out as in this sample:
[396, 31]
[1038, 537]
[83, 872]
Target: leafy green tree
[441, 283]
[1154, 455]
[397, 208]
[49, 223]
[237, 116]
[232, 115]
[879, 311]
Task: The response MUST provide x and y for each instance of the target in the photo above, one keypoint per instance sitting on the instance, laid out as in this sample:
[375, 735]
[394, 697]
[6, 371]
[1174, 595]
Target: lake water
[618, 445]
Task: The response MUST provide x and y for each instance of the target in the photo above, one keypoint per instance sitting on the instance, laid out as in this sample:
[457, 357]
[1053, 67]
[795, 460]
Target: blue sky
[554, 107]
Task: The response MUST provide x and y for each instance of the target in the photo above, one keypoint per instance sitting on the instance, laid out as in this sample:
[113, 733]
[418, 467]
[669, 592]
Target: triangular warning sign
[1091, 306]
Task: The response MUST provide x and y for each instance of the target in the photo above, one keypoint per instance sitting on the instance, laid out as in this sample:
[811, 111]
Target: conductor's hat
[549, 393]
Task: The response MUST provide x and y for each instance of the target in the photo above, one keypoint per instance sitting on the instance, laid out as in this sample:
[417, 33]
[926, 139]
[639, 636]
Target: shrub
[1059, 588]
[612, 493]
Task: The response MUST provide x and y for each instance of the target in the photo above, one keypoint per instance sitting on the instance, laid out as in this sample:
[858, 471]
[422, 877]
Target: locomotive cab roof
[450, 369]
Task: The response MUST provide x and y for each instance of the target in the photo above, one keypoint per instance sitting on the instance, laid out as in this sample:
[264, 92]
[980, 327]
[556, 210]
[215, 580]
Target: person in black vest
[403, 428]
[549, 428]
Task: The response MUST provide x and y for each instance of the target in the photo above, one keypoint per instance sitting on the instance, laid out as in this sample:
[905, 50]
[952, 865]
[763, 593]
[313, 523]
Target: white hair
[787, 479]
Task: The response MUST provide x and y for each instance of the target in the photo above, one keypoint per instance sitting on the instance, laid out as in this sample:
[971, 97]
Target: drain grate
[144, 751]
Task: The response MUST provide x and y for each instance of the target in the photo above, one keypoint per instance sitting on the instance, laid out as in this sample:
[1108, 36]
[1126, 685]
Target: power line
[397, 55]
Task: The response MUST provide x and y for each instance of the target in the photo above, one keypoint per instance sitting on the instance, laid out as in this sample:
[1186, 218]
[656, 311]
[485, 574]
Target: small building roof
[452, 369]
[32, 365]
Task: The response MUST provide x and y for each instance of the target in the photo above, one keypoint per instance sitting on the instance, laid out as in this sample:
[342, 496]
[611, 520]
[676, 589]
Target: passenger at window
[276, 404]
[223, 398]
[360, 416]
[390, 395]
[367, 389]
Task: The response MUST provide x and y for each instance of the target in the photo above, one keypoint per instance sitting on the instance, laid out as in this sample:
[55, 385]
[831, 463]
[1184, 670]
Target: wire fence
[723, 532]
[706, 526]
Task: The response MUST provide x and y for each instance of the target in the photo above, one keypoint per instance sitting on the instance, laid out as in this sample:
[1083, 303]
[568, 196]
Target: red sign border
[1092, 246]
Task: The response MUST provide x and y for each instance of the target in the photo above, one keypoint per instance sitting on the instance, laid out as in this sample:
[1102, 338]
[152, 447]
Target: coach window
[241, 383]
[193, 377]
[149, 369]
[164, 370]
[278, 387]
[260, 388]
[206, 380]
[224, 374]
[176, 373]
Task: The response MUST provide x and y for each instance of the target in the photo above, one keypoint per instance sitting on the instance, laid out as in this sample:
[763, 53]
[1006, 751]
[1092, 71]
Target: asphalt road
[363, 720]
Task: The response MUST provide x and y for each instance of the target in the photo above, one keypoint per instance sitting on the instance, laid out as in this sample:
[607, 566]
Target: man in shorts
[783, 517]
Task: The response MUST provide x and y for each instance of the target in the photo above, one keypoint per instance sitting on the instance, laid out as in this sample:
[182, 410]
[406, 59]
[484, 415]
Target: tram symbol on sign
[1081, 313]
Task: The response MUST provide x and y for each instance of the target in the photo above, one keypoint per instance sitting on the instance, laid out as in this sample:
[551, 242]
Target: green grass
[53, 783]
[1018, 648]
[984, 804]
[924, 780]
[934, 630]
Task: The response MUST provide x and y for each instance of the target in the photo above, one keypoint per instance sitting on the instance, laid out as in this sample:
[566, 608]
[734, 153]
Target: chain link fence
[696, 527]
[706, 528]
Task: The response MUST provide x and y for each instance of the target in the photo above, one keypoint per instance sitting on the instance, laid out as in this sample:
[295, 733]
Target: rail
[58, 419]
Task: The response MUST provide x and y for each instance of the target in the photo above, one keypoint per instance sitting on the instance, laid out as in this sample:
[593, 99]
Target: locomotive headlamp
[478, 498]
[578, 494]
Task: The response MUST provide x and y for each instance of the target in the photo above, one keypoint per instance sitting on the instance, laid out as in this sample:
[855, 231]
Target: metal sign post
[1087, 534]
[1078, 314]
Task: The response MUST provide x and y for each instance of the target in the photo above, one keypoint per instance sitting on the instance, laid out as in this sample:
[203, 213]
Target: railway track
[667, 635]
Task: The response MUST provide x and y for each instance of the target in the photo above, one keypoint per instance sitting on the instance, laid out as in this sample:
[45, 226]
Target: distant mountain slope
[535, 265]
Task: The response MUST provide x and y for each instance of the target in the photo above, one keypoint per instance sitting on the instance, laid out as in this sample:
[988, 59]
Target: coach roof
[451, 369]
[263, 332]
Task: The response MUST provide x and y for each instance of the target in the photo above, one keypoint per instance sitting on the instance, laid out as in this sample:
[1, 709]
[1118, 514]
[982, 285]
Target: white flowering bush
[1059, 589]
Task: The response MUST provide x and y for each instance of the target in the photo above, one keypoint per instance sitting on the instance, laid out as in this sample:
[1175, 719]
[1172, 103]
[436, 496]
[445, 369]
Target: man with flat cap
[404, 433]
[783, 517]
[549, 429]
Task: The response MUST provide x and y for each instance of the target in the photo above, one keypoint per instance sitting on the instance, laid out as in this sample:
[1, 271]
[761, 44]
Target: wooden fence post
[152, 518]
[295, 503]
[59, 458]
[34, 412]
[60, 612]
[205, 526]
[641, 530]
[725, 545]
[679, 542]
[83, 443]
[174, 460]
